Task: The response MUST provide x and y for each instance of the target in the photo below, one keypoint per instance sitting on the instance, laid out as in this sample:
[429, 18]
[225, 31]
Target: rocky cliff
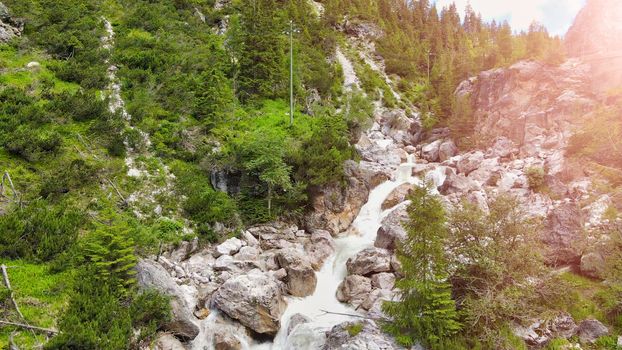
[595, 38]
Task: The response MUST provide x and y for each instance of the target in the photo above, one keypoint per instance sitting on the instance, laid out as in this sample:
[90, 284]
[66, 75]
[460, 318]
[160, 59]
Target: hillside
[441, 182]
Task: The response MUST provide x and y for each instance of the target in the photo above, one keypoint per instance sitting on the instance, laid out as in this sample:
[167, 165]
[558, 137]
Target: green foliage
[494, 257]
[426, 311]
[535, 178]
[463, 123]
[110, 252]
[354, 329]
[97, 319]
[40, 231]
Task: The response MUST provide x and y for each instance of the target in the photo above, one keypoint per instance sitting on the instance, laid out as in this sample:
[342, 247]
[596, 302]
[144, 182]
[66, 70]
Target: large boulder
[391, 230]
[470, 162]
[593, 265]
[589, 331]
[167, 341]
[430, 152]
[226, 341]
[151, 275]
[446, 150]
[369, 261]
[229, 247]
[301, 279]
[397, 196]
[563, 227]
[359, 335]
[354, 289]
[254, 299]
[383, 280]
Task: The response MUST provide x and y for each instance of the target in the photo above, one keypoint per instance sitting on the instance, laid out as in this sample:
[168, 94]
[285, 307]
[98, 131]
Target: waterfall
[361, 235]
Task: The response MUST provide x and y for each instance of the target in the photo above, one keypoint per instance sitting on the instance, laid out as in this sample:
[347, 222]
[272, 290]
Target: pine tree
[110, 250]
[425, 312]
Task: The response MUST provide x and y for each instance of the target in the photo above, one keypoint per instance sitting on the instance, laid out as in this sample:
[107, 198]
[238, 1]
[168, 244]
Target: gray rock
[370, 337]
[254, 299]
[397, 196]
[295, 320]
[250, 239]
[226, 341]
[589, 331]
[391, 230]
[593, 265]
[247, 253]
[228, 247]
[301, 279]
[369, 261]
[320, 246]
[430, 152]
[470, 162]
[446, 150]
[354, 289]
[563, 227]
[383, 280]
[151, 275]
[540, 332]
[167, 341]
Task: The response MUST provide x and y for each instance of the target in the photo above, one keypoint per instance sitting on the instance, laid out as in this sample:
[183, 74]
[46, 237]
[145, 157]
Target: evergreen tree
[110, 251]
[425, 312]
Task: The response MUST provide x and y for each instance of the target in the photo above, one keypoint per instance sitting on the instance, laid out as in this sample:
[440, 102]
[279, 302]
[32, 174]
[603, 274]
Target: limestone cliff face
[595, 38]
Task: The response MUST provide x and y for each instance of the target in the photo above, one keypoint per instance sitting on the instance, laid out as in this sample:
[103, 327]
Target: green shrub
[535, 178]
[40, 231]
[354, 329]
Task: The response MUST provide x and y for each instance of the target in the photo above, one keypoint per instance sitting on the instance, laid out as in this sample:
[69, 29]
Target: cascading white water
[361, 235]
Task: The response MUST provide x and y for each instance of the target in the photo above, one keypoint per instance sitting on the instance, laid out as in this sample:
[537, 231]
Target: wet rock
[228, 247]
[320, 246]
[446, 150]
[375, 298]
[295, 321]
[152, 275]
[383, 280]
[369, 261]
[167, 341]
[226, 341]
[397, 196]
[593, 265]
[354, 289]
[301, 279]
[589, 331]
[391, 230]
[430, 152]
[335, 207]
[369, 338]
[254, 299]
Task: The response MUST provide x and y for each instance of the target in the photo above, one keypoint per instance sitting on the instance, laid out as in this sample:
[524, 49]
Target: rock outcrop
[10, 27]
[151, 275]
[254, 299]
[363, 335]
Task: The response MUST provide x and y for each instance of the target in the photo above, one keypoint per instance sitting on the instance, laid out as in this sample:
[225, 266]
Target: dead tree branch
[29, 327]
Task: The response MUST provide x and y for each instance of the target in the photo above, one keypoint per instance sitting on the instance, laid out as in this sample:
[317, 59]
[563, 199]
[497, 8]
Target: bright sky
[556, 15]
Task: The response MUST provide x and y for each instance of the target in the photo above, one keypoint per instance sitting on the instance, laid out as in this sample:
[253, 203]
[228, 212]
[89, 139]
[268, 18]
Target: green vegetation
[426, 311]
[433, 52]
[535, 178]
[354, 329]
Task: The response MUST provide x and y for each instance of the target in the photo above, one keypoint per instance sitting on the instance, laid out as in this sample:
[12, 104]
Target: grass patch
[41, 296]
[584, 295]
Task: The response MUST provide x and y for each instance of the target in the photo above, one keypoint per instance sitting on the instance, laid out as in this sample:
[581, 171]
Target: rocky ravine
[525, 114]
